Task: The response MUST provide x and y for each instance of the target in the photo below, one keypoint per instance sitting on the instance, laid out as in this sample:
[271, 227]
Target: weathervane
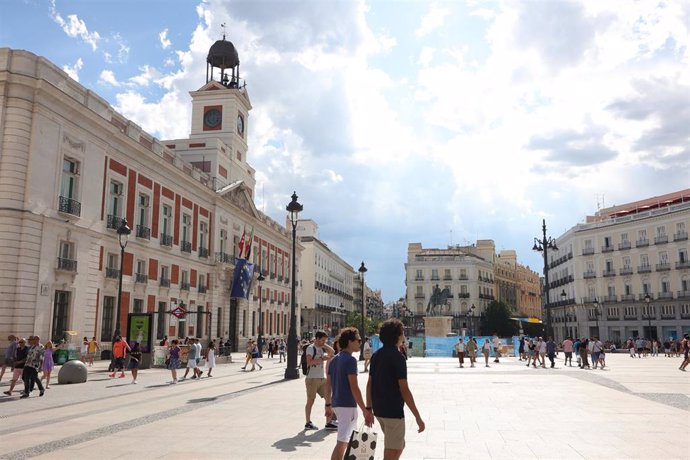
[222, 26]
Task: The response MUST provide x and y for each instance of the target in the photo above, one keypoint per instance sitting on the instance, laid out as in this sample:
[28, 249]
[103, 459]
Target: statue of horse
[439, 298]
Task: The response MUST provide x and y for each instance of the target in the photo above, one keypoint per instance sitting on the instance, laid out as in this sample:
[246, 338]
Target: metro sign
[179, 312]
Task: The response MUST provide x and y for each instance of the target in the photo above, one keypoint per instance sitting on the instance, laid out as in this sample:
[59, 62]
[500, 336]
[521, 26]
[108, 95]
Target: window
[607, 242]
[663, 257]
[160, 321]
[186, 227]
[446, 274]
[628, 289]
[419, 275]
[112, 265]
[661, 231]
[166, 220]
[463, 273]
[116, 200]
[626, 262]
[646, 288]
[434, 274]
[624, 237]
[66, 260]
[222, 243]
[141, 267]
[611, 291]
[219, 324]
[682, 256]
[138, 306]
[203, 234]
[69, 187]
[165, 272]
[588, 244]
[642, 234]
[108, 319]
[665, 286]
[609, 265]
[644, 260]
[61, 322]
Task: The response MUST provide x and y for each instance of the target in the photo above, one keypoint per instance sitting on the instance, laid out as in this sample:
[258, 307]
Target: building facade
[326, 283]
[72, 169]
[528, 292]
[625, 272]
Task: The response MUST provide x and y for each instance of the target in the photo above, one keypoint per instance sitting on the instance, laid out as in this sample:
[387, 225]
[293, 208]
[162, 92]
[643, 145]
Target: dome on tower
[223, 55]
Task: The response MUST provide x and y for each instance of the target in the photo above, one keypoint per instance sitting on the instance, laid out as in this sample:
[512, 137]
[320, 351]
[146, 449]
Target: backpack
[303, 360]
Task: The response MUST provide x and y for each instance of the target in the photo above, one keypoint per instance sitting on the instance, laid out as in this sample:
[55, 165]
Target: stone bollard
[72, 372]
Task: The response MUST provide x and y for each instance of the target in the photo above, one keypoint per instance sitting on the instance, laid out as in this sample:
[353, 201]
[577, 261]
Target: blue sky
[407, 121]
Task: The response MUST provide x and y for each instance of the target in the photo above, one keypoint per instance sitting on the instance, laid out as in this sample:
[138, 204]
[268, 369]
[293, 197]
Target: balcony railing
[626, 271]
[588, 299]
[609, 298]
[630, 316]
[202, 289]
[166, 240]
[186, 246]
[643, 295]
[623, 245]
[73, 207]
[683, 264]
[663, 267]
[644, 268]
[627, 297]
[435, 278]
[417, 296]
[641, 243]
[184, 286]
[223, 258]
[463, 278]
[113, 222]
[608, 248]
[610, 272]
[665, 295]
[113, 273]
[165, 282]
[464, 295]
[67, 265]
[419, 278]
[668, 316]
[203, 253]
[141, 278]
[680, 236]
[589, 274]
[613, 318]
[587, 251]
[661, 239]
[684, 294]
[143, 232]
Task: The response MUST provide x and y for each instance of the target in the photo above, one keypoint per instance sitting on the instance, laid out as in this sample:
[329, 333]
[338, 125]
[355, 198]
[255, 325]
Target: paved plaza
[635, 408]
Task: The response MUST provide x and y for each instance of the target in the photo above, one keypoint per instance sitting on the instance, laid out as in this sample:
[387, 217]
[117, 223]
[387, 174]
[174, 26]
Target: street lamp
[648, 299]
[470, 313]
[291, 372]
[596, 314]
[362, 270]
[123, 232]
[261, 318]
[544, 245]
[563, 296]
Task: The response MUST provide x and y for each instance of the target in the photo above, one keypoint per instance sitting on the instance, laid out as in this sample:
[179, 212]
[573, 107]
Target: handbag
[362, 444]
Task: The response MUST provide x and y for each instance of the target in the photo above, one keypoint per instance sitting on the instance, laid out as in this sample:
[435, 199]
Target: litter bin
[61, 356]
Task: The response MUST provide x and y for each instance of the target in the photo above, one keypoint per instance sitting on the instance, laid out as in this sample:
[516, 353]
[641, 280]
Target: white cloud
[163, 37]
[75, 27]
[147, 75]
[73, 70]
[433, 20]
[107, 77]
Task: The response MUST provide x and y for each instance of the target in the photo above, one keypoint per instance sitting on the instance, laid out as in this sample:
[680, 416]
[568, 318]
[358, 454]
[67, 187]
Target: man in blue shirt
[342, 379]
[387, 389]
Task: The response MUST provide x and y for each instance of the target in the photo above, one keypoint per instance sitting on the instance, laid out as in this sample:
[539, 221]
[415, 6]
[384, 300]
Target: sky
[439, 122]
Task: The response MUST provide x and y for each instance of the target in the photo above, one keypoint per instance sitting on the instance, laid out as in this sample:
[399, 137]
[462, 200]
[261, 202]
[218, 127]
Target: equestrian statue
[439, 298]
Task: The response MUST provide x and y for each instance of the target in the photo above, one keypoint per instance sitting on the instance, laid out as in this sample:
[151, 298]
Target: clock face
[240, 125]
[212, 118]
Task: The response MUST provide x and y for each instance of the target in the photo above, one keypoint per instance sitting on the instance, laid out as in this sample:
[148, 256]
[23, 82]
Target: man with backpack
[313, 358]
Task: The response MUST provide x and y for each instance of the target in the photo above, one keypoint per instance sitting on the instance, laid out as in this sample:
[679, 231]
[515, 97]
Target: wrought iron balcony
[644, 295]
[589, 274]
[665, 295]
[587, 251]
[184, 286]
[202, 289]
[447, 278]
[680, 236]
[223, 258]
[165, 282]
[668, 316]
[463, 278]
[684, 294]
[67, 265]
[626, 271]
[610, 272]
[417, 296]
[419, 278]
[608, 248]
[73, 207]
[141, 278]
[203, 253]
[623, 245]
[629, 317]
[627, 297]
[112, 273]
[143, 232]
[641, 243]
[113, 222]
[683, 264]
[186, 246]
[644, 269]
[609, 298]
[464, 295]
[663, 267]
[612, 318]
[166, 240]
[435, 278]
[661, 239]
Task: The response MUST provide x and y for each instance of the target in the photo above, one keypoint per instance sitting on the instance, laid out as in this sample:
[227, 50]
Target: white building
[326, 283]
[71, 169]
[622, 256]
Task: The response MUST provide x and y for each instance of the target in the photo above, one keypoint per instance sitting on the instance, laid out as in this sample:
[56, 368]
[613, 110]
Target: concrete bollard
[72, 372]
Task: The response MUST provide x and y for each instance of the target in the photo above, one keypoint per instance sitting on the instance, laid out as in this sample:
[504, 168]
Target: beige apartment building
[529, 292]
[72, 168]
[625, 272]
[326, 283]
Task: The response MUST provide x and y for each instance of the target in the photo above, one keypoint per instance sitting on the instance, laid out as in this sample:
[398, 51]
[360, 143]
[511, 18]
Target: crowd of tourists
[25, 358]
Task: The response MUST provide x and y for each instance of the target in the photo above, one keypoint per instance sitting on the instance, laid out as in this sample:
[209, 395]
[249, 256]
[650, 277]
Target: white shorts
[347, 422]
[191, 363]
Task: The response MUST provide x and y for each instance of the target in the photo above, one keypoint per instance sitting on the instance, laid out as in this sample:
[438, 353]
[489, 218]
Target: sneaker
[122, 376]
[310, 426]
[10, 394]
[330, 426]
[486, 365]
[134, 382]
[24, 395]
[112, 375]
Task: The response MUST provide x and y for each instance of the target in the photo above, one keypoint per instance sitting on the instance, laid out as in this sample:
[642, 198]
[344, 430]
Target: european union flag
[242, 282]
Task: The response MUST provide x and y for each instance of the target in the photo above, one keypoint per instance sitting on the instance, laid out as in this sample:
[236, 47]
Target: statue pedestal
[437, 326]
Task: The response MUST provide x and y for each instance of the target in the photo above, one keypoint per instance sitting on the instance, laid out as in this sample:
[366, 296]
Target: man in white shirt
[316, 383]
[542, 351]
[497, 346]
[460, 350]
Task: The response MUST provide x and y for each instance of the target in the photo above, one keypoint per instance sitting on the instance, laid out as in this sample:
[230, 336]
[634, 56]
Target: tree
[497, 319]
[353, 319]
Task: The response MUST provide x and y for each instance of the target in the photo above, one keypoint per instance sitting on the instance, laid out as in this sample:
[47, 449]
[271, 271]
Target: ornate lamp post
[362, 270]
[543, 245]
[470, 313]
[261, 318]
[596, 314]
[647, 300]
[123, 232]
[565, 309]
[291, 371]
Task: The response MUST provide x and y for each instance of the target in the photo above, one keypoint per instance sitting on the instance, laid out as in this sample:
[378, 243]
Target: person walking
[542, 352]
[18, 361]
[191, 361]
[197, 345]
[521, 348]
[472, 351]
[248, 354]
[48, 362]
[584, 343]
[551, 351]
[211, 358]
[460, 350]
[135, 361]
[367, 353]
[120, 348]
[91, 350]
[345, 393]
[281, 351]
[685, 346]
[597, 348]
[174, 359]
[9, 355]
[34, 361]
[497, 346]
[84, 350]
[576, 350]
[568, 351]
[255, 357]
[315, 382]
[537, 352]
[655, 347]
[388, 391]
[486, 351]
